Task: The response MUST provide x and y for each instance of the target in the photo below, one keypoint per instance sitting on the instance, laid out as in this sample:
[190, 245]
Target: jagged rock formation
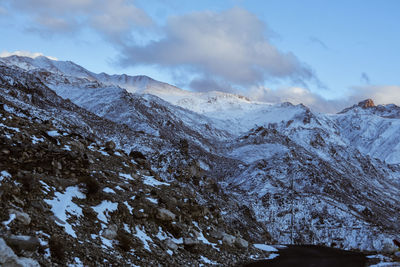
[368, 103]
[148, 181]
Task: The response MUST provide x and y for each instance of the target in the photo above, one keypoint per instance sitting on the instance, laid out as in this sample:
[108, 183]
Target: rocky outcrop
[368, 103]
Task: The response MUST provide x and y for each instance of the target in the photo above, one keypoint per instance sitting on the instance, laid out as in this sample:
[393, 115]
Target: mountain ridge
[277, 173]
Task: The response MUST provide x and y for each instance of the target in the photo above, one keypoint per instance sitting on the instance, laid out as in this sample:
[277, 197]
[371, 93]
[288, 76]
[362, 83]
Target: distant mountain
[276, 173]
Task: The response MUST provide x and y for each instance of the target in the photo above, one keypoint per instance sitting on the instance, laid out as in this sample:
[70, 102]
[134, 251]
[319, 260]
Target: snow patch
[103, 209]
[53, 133]
[265, 247]
[152, 200]
[208, 261]
[62, 204]
[108, 190]
[4, 174]
[149, 180]
[143, 237]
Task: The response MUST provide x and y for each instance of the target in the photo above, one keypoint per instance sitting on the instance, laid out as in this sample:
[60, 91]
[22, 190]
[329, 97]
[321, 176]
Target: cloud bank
[229, 51]
[231, 46]
[298, 95]
[25, 54]
[114, 19]
[381, 94]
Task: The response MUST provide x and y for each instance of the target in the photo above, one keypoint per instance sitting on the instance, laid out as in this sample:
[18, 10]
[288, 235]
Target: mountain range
[150, 173]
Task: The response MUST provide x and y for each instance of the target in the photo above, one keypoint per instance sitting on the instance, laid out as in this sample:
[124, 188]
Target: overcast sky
[326, 54]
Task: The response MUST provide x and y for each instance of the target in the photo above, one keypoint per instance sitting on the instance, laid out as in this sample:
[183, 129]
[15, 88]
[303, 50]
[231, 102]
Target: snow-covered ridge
[298, 171]
[371, 129]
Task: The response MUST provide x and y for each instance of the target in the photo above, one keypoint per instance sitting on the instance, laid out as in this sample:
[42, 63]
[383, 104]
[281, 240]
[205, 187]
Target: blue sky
[332, 52]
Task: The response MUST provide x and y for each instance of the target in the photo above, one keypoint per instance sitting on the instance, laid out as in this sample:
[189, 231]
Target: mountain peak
[367, 103]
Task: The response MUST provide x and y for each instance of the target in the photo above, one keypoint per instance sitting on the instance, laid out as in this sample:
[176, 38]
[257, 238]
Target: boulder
[228, 239]
[137, 155]
[188, 241]
[216, 234]
[8, 257]
[165, 215]
[21, 217]
[241, 243]
[139, 214]
[23, 243]
[111, 232]
[171, 245]
[110, 145]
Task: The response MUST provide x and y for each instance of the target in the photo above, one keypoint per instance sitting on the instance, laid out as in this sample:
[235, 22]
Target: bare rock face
[368, 103]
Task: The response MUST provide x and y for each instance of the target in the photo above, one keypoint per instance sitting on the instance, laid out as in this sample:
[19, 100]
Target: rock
[5, 151]
[20, 216]
[216, 234]
[23, 242]
[18, 201]
[110, 146]
[56, 164]
[165, 215]
[8, 257]
[111, 232]
[389, 248]
[171, 244]
[228, 239]
[368, 103]
[139, 214]
[188, 241]
[137, 155]
[77, 145]
[241, 243]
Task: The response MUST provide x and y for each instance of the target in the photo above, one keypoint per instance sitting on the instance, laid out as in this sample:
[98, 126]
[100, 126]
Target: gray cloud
[315, 40]
[111, 18]
[209, 84]
[230, 45]
[365, 78]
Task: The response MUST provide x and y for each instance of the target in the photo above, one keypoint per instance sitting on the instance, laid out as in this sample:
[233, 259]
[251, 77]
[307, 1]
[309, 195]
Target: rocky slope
[71, 196]
[213, 173]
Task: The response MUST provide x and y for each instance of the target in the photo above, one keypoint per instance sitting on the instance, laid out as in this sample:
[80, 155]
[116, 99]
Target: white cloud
[231, 45]
[389, 94]
[24, 54]
[384, 94]
[119, 17]
[298, 95]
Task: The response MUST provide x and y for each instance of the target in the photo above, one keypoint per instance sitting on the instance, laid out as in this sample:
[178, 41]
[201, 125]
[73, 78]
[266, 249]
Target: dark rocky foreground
[312, 255]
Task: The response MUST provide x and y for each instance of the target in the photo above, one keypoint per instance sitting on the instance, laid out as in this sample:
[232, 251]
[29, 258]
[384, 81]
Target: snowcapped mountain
[277, 173]
[374, 130]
